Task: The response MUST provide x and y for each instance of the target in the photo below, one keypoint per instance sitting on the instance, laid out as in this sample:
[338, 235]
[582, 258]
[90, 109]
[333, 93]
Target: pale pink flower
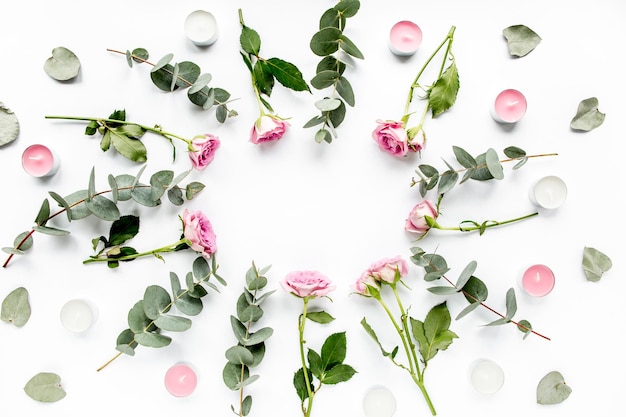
[267, 129]
[307, 284]
[388, 270]
[366, 283]
[391, 137]
[416, 223]
[205, 147]
[199, 232]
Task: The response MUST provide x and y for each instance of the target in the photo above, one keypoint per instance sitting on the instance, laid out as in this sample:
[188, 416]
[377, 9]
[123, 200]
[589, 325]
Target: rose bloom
[307, 284]
[416, 223]
[391, 137]
[205, 147]
[417, 141]
[365, 281]
[385, 269]
[198, 230]
[267, 129]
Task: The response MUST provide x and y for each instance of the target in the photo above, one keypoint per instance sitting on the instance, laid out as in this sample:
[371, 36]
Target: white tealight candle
[77, 316]
[405, 38]
[549, 192]
[486, 376]
[201, 28]
[379, 402]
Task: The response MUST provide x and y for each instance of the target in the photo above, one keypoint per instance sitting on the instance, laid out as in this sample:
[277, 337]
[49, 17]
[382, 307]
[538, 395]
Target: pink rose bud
[199, 232]
[366, 284]
[417, 140]
[389, 270]
[205, 147]
[267, 129]
[391, 137]
[307, 284]
[416, 223]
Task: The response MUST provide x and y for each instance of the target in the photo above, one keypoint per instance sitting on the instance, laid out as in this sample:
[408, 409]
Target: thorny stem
[503, 161]
[449, 39]
[32, 231]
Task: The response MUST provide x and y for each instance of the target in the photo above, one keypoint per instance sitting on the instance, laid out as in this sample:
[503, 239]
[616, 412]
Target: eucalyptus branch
[185, 74]
[84, 203]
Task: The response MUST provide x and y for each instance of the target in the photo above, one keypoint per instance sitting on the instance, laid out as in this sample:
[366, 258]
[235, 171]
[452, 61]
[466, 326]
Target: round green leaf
[63, 65]
[16, 308]
[103, 208]
[552, 389]
[326, 41]
[521, 40]
[45, 387]
[9, 125]
[588, 117]
[156, 301]
[595, 263]
[154, 340]
[239, 355]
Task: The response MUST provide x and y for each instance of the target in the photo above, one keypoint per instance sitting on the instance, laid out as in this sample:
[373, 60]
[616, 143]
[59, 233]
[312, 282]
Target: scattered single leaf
[595, 263]
[552, 389]
[521, 40]
[63, 65]
[16, 308]
[45, 387]
[588, 117]
[9, 125]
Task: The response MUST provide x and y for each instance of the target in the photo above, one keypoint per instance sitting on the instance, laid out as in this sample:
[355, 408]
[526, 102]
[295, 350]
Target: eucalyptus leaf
[493, 164]
[138, 322]
[239, 355]
[327, 104]
[103, 208]
[63, 65]
[154, 340]
[344, 89]
[326, 41]
[521, 40]
[552, 389]
[173, 323]
[349, 47]
[44, 213]
[232, 375]
[53, 231]
[16, 308]
[9, 125]
[45, 387]
[27, 244]
[76, 201]
[588, 117]
[595, 264]
[156, 301]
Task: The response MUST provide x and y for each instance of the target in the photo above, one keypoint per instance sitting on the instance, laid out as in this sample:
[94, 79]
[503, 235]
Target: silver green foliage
[587, 117]
[168, 76]
[250, 348]
[521, 40]
[595, 264]
[16, 308]
[87, 202]
[63, 65]
[154, 312]
[45, 387]
[483, 167]
[9, 125]
[552, 389]
[331, 43]
[471, 287]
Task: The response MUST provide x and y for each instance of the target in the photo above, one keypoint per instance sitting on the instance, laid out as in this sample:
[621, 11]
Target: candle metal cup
[405, 37]
[509, 106]
[201, 28]
[549, 192]
[40, 161]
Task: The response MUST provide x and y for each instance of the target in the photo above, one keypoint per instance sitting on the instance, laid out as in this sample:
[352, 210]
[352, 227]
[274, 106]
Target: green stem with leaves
[107, 122]
[475, 226]
[155, 252]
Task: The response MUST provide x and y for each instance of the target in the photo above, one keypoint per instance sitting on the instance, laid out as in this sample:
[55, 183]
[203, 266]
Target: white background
[296, 204]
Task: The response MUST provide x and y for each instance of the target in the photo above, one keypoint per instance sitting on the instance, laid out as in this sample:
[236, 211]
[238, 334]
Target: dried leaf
[45, 387]
[63, 65]
[16, 308]
[595, 263]
[588, 117]
[521, 40]
[552, 389]
[9, 125]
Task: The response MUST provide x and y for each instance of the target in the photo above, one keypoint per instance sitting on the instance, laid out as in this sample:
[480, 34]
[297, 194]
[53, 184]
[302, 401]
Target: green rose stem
[165, 249]
[105, 123]
[485, 225]
[403, 331]
[305, 371]
[32, 231]
[448, 40]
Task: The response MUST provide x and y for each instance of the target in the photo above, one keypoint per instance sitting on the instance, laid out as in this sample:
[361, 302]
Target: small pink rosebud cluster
[383, 271]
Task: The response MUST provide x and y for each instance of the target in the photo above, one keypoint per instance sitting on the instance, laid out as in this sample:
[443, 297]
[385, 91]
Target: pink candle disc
[404, 38]
[538, 280]
[180, 380]
[39, 161]
[509, 107]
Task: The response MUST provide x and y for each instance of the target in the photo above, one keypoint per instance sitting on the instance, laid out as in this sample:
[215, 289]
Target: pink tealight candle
[180, 380]
[538, 280]
[509, 106]
[39, 161]
[404, 38]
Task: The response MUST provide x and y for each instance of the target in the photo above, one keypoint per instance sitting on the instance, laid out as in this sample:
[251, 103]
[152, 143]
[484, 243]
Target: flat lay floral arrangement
[402, 332]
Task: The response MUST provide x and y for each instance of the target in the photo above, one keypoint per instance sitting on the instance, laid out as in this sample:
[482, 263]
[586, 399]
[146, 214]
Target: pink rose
[307, 284]
[205, 147]
[388, 270]
[416, 223]
[417, 140]
[365, 283]
[391, 137]
[267, 129]
[199, 232]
